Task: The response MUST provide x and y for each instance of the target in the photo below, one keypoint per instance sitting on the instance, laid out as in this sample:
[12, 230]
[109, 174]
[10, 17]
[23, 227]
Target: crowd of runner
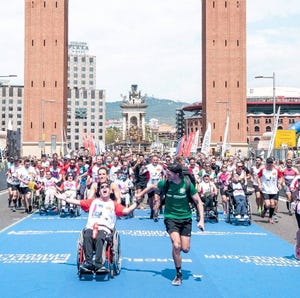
[28, 178]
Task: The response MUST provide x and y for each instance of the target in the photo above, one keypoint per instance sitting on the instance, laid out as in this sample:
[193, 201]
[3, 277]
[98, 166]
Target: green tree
[112, 134]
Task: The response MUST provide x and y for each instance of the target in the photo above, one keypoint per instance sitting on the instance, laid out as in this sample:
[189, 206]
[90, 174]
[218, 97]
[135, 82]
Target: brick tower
[224, 70]
[45, 76]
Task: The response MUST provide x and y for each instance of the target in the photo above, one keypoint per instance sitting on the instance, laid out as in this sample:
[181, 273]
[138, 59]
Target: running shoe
[275, 218]
[177, 281]
[238, 216]
[259, 211]
[87, 267]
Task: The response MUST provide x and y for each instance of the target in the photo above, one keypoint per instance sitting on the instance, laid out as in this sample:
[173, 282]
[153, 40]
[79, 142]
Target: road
[226, 260]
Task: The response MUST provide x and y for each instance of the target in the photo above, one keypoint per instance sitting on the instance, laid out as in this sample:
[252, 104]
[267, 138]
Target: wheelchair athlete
[103, 212]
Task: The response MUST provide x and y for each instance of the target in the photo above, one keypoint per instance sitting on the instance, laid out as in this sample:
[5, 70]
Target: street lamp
[9, 76]
[274, 99]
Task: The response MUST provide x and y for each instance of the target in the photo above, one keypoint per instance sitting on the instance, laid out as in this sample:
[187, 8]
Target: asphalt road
[285, 228]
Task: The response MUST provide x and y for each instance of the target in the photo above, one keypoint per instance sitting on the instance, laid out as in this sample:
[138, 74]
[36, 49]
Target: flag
[180, 145]
[224, 146]
[271, 144]
[195, 142]
[188, 145]
[206, 141]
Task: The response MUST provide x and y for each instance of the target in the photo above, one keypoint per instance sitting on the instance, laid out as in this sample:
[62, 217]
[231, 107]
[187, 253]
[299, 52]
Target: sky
[157, 44]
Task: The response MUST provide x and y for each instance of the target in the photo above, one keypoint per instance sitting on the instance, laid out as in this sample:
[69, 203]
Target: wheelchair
[111, 254]
[50, 209]
[232, 214]
[210, 211]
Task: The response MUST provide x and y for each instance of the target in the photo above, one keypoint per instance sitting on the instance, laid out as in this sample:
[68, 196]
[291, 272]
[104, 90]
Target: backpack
[187, 181]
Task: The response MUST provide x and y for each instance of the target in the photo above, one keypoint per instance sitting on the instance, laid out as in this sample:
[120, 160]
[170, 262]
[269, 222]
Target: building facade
[260, 117]
[85, 106]
[224, 69]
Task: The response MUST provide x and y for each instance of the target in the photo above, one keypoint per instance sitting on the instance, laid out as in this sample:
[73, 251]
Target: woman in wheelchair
[207, 191]
[237, 190]
[102, 217]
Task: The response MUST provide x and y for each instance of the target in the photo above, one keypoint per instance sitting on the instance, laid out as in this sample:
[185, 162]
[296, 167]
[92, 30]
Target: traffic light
[180, 125]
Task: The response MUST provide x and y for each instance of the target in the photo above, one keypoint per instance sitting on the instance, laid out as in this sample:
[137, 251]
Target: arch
[268, 129]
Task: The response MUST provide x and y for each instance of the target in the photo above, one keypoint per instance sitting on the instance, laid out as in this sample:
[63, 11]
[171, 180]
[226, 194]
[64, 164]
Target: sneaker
[238, 216]
[246, 216]
[259, 211]
[263, 213]
[211, 213]
[275, 218]
[177, 280]
[155, 219]
[87, 267]
[30, 209]
[99, 268]
[13, 209]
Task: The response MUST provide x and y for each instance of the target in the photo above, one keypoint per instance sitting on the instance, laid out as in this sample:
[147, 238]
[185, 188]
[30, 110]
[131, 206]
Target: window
[44, 42]
[83, 59]
[32, 42]
[44, 83]
[19, 123]
[237, 4]
[75, 68]
[214, 4]
[237, 43]
[268, 129]
[291, 121]
[214, 84]
[225, 84]
[91, 60]
[256, 128]
[238, 84]
[225, 4]
[268, 121]
[256, 121]
[83, 68]
[225, 43]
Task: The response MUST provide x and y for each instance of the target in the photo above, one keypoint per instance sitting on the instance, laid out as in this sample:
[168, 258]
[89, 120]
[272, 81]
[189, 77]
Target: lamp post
[274, 89]
[9, 76]
[43, 137]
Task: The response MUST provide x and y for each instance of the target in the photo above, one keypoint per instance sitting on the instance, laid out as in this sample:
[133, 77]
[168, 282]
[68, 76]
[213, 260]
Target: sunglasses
[104, 186]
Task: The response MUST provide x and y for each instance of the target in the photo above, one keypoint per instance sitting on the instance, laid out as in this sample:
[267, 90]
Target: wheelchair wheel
[116, 254]
[80, 253]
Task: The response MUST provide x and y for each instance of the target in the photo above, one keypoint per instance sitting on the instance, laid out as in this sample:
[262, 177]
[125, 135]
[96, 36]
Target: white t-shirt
[102, 213]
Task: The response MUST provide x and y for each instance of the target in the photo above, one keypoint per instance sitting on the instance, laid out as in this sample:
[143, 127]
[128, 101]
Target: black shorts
[182, 226]
[271, 196]
[13, 186]
[256, 188]
[24, 190]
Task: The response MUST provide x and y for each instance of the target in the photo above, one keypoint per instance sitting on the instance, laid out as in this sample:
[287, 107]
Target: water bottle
[95, 230]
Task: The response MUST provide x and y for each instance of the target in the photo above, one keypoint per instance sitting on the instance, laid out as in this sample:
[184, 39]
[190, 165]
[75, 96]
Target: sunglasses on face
[104, 186]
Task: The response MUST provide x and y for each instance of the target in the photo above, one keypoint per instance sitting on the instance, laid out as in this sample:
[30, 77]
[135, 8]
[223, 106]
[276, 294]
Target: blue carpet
[38, 258]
